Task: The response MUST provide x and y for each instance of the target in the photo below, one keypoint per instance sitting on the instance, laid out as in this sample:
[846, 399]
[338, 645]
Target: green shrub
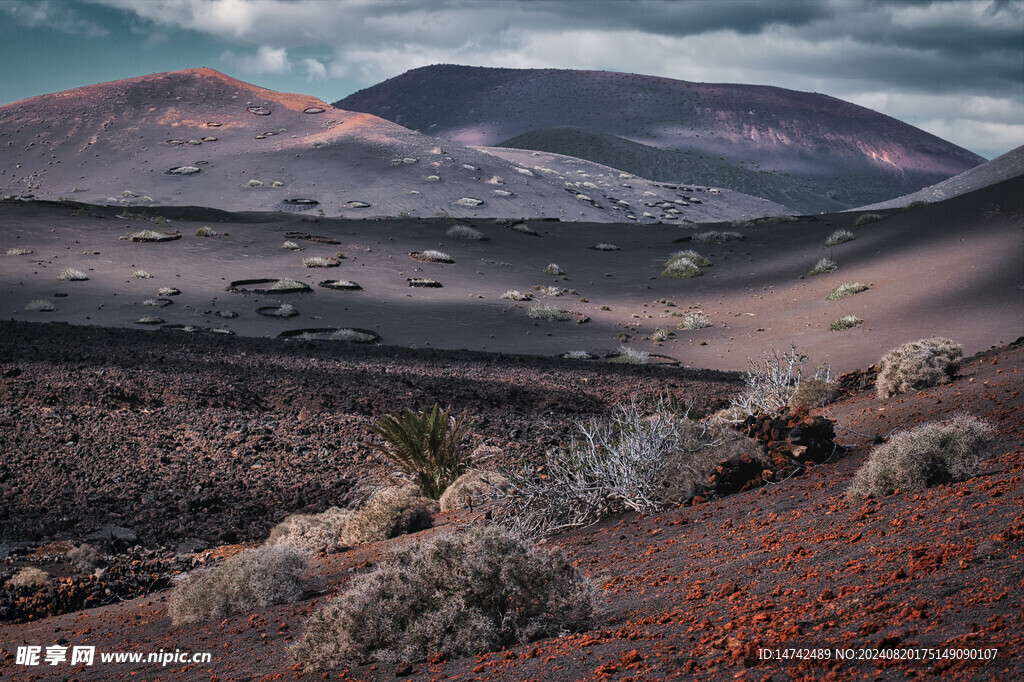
[353, 335]
[390, 512]
[425, 446]
[481, 590]
[813, 392]
[847, 289]
[475, 484]
[780, 219]
[513, 295]
[550, 313]
[931, 454]
[867, 219]
[915, 204]
[205, 231]
[553, 269]
[250, 580]
[845, 322]
[840, 237]
[661, 334]
[254, 183]
[823, 266]
[918, 364]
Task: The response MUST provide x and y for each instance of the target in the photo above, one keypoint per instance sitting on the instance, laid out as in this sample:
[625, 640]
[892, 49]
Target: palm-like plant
[426, 446]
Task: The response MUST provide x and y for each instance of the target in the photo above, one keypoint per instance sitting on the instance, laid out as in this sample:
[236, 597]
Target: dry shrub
[85, 557]
[928, 455]
[632, 460]
[390, 512]
[481, 590]
[475, 484]
[918, 364]
[30, 576]
[813, 392]
[253, 579]
[316, 533]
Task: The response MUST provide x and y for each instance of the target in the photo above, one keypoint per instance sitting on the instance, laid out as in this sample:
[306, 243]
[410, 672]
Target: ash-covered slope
[201, 138]
[846, 154]
[1009, 165]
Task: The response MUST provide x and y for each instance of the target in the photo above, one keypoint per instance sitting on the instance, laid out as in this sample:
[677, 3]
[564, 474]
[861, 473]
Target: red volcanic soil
[692, 592]
[845, 154]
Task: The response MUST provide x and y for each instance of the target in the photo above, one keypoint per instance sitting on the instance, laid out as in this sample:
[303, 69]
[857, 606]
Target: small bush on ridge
[477, 591]
[931, 454]
[475, 484]
[253, 579]
[918, 364]
[390, 512]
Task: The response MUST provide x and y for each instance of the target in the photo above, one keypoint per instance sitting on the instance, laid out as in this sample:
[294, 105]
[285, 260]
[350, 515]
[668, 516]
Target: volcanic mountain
[806, 150]
[200, 138]
[1009, 165]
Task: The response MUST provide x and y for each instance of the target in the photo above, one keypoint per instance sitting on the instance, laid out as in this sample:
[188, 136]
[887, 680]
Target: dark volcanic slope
[250, 149]
[1009, 165]
[842, 150]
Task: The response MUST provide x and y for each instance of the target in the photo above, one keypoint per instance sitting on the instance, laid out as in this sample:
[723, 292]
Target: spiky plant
[426, 446]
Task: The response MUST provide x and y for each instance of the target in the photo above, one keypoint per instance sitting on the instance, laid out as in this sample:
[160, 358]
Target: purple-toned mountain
[201, 138]
[806, 150]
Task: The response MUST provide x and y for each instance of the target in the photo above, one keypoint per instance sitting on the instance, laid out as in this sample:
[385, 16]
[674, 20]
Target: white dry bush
[715, 237]
[40, 305]
[434, 256]
[72, 275]
[317, 262]
[514, 295]
[254, 183]
[553, 269]
[635, 459]
[389, 512]
[931, 454]
[839, 237]
[141, 274]
[605, 247]
[477, 485]
[30, 576]
[548, 313]
[316, 533]
[694, 321]
[631, 356]
[455, 594]
[847, 289]
[577, 355]
[465, 232]
[824, 265]
[287, 283]
[918, 364]
[18, 251]
[290, 246]
[771, 381]
[250, 580]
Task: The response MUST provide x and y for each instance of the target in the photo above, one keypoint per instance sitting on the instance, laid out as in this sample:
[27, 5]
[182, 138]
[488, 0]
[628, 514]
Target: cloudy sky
[952, 67]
